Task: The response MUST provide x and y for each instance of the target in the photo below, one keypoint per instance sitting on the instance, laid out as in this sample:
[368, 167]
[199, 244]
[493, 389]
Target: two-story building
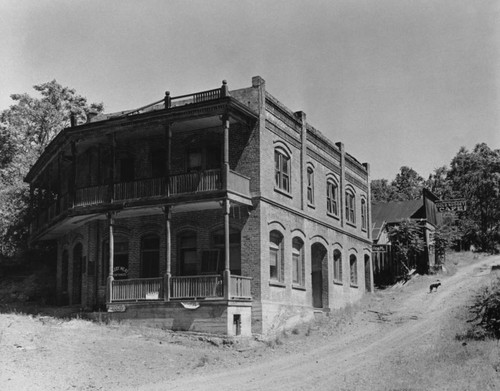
[219, 211]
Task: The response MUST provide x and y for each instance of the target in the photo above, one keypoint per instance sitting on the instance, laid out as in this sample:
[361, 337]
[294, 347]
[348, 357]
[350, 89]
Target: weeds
[203, 361]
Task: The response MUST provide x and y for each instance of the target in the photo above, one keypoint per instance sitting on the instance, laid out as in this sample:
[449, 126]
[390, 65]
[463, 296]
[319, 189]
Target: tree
[406, 240]
[443, 237]
[382, 190]
[475, 176]
[26, 128]
[408, 184]
[439, 184]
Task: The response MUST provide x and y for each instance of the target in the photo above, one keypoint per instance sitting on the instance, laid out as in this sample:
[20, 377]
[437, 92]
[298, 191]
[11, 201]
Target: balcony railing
[194, 287]
[188, 183]
[195, 182]
[240, 287]
[137, 289]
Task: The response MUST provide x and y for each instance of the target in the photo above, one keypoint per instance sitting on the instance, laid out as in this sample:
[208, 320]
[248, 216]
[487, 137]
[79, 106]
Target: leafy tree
[382, 190]
[408, 184]
[406, 240]
[26, 128]
[475, 176]
[444, 237]
[439, 184]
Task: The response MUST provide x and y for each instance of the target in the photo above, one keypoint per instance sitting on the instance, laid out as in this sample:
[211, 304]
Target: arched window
[353, 264]
[350, 211]
[332, 198]
[364, 221]
[276, 269]
[150, 256]
[282, 170]
[337, 266]
[189, 264]
[298, 261]
[310, 185]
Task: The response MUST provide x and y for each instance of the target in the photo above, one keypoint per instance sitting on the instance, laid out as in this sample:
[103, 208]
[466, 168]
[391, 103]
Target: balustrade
[192, 287]
[137, 289]
[240, 287]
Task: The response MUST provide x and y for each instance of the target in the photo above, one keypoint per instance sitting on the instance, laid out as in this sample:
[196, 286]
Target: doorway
[319, 276]
[77, 274]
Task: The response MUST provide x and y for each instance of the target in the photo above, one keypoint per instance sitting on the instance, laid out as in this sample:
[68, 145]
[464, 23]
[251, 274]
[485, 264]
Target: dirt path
[402, 338]
[408, 343]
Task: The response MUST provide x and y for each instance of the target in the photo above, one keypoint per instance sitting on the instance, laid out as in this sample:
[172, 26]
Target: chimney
[91, 115]
[72, 120]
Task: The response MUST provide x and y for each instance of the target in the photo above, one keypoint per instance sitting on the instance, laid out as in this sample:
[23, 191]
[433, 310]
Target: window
[127, 169]
[120, 259]
[350, 213]
[364, 221]
[64, 271]
[298, 261]
[194, 160]
[206, 158]
[337, 266]
[310, 186]
[282, 170]
[353, 263]
[234, 252]
[332, 193]
[150, 256]
[276, 271]
[188, 256]
[158, 163]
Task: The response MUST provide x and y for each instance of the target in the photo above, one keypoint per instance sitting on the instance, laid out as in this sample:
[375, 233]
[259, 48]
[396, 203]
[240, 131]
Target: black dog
[434, 286]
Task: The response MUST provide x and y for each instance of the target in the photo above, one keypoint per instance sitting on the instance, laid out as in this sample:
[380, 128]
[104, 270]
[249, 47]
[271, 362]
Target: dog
[434, 286]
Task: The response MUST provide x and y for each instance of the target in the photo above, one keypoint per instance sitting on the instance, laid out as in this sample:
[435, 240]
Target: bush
[487, 309]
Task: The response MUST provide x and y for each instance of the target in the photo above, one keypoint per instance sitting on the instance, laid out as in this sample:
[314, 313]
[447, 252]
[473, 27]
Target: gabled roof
[393, 212]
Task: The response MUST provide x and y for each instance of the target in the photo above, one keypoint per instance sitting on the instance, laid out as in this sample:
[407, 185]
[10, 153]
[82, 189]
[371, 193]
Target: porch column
[227, 263]
[225, 165]
[168, 254]
[110, 279]
[72, 189]
[168, 156]
[111, 179]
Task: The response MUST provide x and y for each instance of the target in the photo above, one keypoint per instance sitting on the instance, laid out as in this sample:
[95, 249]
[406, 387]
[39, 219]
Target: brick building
[219, 211]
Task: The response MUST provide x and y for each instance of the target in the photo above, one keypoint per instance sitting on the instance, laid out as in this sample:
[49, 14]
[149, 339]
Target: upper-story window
[206, 158]
[364, 220]
[350, 212]
[310, 185]
[158, 163]
[332, 198]
[127, 169]
[282, 170]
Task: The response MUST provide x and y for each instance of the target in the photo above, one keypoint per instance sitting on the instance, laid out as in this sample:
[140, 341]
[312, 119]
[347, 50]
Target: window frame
[353, 270]
[276, 239]
[298, 262]
[364, 215]
[282, 171]
[337, 266]
[332, 198]
[350, 207]
[310, 186]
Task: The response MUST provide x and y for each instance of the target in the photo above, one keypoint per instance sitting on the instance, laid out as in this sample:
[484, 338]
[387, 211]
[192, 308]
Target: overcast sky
[399, 82]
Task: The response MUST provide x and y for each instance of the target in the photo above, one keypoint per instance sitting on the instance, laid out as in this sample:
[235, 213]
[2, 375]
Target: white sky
[399, 82]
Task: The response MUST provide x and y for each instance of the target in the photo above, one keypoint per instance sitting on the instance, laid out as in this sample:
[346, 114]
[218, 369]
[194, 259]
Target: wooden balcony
[181, 288]
[192, 183]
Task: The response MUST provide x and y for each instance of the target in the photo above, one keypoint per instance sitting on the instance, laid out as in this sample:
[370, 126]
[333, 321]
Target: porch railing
[197, 97]
[88, 196]
[192, 287]
[137, 289]
[239, 183]
[240, 287]
[195, 182]
[139, 189]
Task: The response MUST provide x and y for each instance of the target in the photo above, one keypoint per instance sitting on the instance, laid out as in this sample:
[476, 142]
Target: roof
[392, 212]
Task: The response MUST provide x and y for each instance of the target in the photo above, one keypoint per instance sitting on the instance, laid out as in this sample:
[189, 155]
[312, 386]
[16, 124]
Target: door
[319, 288]
[77, 274]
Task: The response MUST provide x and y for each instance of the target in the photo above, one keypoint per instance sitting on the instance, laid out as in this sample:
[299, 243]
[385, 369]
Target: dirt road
[405, 341]
[402, 338]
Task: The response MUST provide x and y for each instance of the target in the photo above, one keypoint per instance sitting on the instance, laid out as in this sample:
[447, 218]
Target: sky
[400, 83]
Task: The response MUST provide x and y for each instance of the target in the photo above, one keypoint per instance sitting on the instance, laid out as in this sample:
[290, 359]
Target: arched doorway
[319, 275]
[368, 284]
[77, 274]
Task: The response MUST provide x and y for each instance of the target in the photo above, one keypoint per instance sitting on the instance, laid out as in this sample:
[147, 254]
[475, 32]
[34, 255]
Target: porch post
[168, 158]
[227, 263]
[168, 254]
[225, 165]
[111, 179]
[72, 190]
[109, 285]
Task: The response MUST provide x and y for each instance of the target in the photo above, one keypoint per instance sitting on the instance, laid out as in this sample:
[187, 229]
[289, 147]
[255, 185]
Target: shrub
[487, 309]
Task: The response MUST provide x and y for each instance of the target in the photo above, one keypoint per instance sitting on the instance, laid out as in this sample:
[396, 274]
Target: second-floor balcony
[187, 187]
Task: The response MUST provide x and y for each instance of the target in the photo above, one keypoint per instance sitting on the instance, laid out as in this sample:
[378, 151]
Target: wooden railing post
[227, 263]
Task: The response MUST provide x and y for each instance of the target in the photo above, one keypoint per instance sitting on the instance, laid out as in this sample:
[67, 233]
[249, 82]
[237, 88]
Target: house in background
[388, 214]
[217, 211]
